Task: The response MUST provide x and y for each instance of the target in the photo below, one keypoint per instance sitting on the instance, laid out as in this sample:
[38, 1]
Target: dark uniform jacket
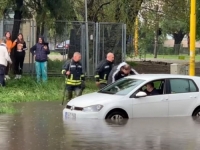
[76, 73]
[116, 74]
[153, 92]
[102, 71]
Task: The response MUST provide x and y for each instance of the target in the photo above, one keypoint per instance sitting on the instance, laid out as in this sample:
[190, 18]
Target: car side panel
[124, 103]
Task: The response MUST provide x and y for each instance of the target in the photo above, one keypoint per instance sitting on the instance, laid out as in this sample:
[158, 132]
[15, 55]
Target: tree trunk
[178, 37]
[16, 25]
[40, 30]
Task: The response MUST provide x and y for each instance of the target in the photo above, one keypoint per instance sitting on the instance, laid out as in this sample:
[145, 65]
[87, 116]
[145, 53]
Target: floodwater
[40, 126]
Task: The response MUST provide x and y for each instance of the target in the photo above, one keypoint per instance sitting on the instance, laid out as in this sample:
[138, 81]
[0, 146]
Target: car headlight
[93, 108]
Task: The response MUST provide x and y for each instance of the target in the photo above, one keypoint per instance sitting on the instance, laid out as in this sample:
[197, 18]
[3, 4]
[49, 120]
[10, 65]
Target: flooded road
[40, 126]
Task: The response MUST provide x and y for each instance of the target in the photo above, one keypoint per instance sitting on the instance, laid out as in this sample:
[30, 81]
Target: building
[27, 28]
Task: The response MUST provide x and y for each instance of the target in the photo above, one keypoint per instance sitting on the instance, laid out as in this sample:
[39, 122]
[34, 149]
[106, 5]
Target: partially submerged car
[178, 95]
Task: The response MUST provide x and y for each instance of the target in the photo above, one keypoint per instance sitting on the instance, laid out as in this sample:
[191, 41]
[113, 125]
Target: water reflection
[40, 126]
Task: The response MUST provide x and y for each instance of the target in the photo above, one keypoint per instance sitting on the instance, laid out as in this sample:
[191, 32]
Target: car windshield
[122, 86]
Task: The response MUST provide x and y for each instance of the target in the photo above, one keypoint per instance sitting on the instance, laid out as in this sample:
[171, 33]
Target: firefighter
[103, 69]
[74, 76]
[120, 71]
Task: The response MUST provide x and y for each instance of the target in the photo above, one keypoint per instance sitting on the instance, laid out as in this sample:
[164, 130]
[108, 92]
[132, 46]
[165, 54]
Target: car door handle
[193, 97]
[164, 99]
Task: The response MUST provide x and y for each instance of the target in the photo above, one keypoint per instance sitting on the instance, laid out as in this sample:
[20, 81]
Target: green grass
[27, 89]
[170, 57]
[7, 109]
[175, 57]
[54, 53]
[55, 65]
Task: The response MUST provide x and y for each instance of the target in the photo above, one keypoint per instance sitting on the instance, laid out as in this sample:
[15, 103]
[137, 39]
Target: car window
[182, 86]
[193, 87]
[157, 84]
[122, 87]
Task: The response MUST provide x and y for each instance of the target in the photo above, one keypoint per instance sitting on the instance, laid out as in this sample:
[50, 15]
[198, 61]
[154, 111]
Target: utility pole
[156, 33]
[136, 37]
[192, 37]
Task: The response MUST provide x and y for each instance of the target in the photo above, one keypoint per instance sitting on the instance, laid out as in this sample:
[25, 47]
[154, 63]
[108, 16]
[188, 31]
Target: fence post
[87, 48]
[124, 41]
[32, 41]
[83, 46]
[30, 45]
[96, 43]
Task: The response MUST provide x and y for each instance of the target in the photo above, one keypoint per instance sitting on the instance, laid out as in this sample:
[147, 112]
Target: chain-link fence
[65, 38]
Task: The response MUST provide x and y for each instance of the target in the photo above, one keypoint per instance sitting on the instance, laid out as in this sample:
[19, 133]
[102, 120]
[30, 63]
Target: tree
[176, 20]
[171, 16]
[46, 13]
[108, 11]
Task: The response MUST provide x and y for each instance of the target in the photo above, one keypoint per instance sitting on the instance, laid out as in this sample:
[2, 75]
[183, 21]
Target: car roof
[160, 76]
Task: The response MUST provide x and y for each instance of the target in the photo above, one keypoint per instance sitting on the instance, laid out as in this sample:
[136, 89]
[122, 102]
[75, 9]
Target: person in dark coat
[150, 90]
[40, 52]
[103, 70]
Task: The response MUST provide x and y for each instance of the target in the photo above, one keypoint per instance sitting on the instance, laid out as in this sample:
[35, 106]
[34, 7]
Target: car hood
[92, 99]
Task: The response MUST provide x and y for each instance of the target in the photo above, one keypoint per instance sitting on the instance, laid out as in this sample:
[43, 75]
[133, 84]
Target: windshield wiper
[106, 92]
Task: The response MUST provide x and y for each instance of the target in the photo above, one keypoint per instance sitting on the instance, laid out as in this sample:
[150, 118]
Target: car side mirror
[140, 94]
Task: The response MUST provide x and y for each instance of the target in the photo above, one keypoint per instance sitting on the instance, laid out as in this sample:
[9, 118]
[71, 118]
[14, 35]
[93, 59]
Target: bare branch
[100, 7]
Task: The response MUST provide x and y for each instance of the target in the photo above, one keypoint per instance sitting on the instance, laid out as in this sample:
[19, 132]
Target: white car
[178, 95]
[64, 44]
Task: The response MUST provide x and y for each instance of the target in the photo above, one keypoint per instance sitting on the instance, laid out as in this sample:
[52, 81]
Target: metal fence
[102, 38]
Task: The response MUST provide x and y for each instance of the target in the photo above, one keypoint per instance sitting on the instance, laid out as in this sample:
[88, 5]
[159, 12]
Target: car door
[151, 106]
[183, 94]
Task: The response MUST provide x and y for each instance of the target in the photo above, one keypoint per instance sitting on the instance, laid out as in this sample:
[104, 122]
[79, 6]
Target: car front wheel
[196, 113]
[116, 115]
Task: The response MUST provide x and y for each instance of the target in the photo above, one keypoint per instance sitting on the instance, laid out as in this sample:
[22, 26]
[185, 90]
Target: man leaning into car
[120, 71]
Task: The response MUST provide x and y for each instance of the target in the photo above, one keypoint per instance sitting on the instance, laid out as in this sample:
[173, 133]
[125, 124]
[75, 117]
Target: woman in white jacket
[4, 59]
